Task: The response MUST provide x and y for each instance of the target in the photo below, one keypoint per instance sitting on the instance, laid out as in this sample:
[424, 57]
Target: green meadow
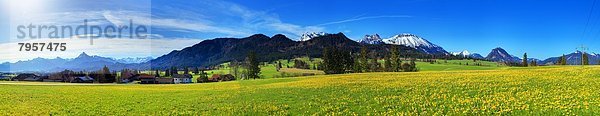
[555, 90]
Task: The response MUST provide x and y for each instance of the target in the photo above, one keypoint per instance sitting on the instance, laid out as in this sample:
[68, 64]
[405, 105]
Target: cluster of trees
[584, 60]
[336, 61]
[104, 76]
[301, 64]
[525, 63]
[247, 69]
[393, 62]
[562, 60]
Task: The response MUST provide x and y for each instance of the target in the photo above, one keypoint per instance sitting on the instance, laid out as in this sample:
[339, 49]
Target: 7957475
[43, 46]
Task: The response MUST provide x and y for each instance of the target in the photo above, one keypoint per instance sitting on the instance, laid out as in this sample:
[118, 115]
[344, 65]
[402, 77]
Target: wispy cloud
[221, 18]
[364, 18]
[228, 18]
[120, 17]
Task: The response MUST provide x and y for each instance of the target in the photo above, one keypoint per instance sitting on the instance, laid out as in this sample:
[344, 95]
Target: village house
[219, 77]
[82, 79]
[147, 79]
[29, 77]
[164, 80]
[182, 78]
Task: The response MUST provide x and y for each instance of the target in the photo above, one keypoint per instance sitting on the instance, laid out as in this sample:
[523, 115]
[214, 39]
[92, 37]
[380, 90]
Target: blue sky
[542, 29]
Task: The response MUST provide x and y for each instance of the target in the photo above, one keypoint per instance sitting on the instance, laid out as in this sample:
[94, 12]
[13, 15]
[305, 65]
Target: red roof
[146, 76]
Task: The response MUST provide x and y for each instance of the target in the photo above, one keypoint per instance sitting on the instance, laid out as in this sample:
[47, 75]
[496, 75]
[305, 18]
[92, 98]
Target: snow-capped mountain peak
[466, 53]
[307, 36]
[462, 53]
[371, 39]
[409, 40]
[130, 60]
[416, 42]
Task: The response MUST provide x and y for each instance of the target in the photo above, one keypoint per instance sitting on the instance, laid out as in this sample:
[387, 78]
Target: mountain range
[574, 58]
[220, 50]
[308, 36]
[216, 51]
[467, 54]
[406, 39]
[83, 62]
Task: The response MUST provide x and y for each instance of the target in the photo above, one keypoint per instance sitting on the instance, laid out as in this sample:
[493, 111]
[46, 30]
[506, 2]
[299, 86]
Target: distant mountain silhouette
[220, 50]
[500, 55]
[83, 62]
[574, 58]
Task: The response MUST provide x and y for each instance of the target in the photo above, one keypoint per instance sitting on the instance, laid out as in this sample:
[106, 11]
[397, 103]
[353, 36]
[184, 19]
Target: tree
[301, 64]
[562, 60]
[203, 77]
[234, 67]
[103, 73]
[253, 71]
[413, 66]
[186, 70]
[525, 60]
[584, 59]
[395, 59]
[363, 63]
[533, 63]
[346, 59]
[167, 73]
[157, 73]
[278, 66]
[357, 67]
[374, 66]
[174, 71]
[387, 64]
[196, 70]
[409, 66]
[336, 61]
[406, 67]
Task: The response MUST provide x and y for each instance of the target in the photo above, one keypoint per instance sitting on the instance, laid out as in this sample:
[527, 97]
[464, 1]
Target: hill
[574, 58]
[220, 50]
[83, 62]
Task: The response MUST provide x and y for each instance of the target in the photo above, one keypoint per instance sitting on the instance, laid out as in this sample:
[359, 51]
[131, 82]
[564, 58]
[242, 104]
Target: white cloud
[226, 18]
[365, 18]
[232, 19]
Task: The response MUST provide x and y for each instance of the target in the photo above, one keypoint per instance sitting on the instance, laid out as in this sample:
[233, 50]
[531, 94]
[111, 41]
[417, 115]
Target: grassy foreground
[548, 90]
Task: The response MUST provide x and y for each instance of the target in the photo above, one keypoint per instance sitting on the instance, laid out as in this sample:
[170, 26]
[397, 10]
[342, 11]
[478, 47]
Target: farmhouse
[147, 79]
[82, 79]
[164, 80]
[29, 77]
[219, 77]
[182, 78]
[104, 78]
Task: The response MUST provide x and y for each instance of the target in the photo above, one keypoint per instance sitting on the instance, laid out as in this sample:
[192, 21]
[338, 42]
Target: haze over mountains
[220, 50]
[83, 62]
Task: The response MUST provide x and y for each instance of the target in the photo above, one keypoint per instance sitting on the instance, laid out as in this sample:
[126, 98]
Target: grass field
[535, 91]
[268, 70]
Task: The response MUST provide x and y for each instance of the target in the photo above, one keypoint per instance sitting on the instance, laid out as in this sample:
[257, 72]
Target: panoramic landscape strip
[234, 57]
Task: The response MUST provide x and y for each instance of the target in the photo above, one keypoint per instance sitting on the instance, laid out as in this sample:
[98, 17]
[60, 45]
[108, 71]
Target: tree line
[339, 61]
